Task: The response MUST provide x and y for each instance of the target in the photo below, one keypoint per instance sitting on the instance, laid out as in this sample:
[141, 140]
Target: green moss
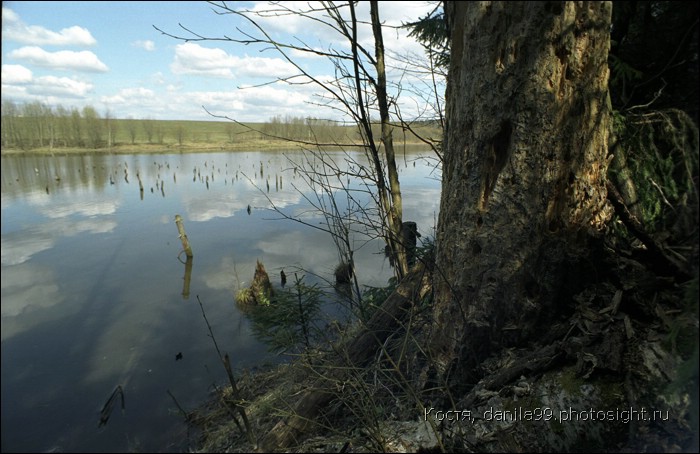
[570, 382]
[660, 150]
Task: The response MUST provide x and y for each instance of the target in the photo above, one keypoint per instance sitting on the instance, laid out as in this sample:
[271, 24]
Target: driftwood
[356, 352]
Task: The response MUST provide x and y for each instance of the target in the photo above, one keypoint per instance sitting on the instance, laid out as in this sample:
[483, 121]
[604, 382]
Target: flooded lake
[94, 288]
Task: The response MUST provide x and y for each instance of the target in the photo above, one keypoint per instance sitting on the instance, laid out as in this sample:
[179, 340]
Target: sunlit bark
[525, 158]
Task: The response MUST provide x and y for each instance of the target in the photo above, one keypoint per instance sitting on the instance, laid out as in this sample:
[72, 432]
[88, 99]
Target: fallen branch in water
[179, 407]
[108, 406]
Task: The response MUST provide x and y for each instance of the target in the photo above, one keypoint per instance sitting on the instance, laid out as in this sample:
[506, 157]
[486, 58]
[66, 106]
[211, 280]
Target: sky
[108, 55]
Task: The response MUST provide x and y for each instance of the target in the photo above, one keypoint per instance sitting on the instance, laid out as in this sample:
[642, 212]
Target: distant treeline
[31, 126]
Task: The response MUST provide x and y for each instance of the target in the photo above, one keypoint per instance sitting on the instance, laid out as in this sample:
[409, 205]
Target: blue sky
[109, 56]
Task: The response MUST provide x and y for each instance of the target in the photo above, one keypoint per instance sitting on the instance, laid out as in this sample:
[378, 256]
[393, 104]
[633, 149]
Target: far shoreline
[257, 145]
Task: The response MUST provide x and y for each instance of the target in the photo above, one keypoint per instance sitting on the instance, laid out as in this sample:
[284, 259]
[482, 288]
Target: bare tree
[425, 82]
[359, 92]
[36, 114]
[180, 134]
[76, 128]
[11, 131]
[231, 133]
[160, 132]
[63, 125]
[112, 127]
[130, 125]
[93, 126]
[148, 127]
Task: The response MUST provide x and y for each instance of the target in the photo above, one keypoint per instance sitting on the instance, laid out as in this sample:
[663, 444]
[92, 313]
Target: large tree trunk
[525, 158]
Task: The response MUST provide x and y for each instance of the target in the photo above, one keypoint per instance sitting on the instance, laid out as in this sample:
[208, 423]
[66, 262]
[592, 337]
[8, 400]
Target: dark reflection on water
[94, 296]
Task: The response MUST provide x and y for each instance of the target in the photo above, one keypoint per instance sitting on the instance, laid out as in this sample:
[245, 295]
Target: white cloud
[59, 86]
[129, 96]
[27, 289]
[158, 78]
[193, 59]
[16, 74]
[14, 92]
[19, 82]
[175, 94]
[14, 29]
[135, 102]
[92, 210]
[64, 60]
[249, 104]
[265, 67]
[16, 249]
[398, 13]
[314, 25]
[145, 45]
[273, 97]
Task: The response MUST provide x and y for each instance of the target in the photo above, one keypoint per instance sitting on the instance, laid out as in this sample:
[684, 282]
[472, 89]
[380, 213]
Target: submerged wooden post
[183, 235]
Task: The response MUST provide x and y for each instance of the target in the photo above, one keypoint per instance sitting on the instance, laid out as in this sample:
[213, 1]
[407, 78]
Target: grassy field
[133, 136]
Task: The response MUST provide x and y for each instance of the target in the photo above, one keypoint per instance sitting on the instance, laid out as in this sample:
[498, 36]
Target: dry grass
[372, 407]
[264, 394]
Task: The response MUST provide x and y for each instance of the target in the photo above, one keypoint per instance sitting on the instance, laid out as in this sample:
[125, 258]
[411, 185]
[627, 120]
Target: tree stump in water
[260, 291]
[261, 286]
[343, 273]
[409, 240]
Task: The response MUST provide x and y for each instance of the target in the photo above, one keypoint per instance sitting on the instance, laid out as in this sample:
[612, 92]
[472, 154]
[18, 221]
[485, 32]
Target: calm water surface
[92, 287]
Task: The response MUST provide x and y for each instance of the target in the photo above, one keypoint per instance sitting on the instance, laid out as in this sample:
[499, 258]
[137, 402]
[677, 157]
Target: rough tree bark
[525, 158]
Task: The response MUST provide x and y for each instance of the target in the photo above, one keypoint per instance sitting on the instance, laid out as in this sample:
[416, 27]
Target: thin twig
[234, 388]
[177, 404]
[662, 194]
